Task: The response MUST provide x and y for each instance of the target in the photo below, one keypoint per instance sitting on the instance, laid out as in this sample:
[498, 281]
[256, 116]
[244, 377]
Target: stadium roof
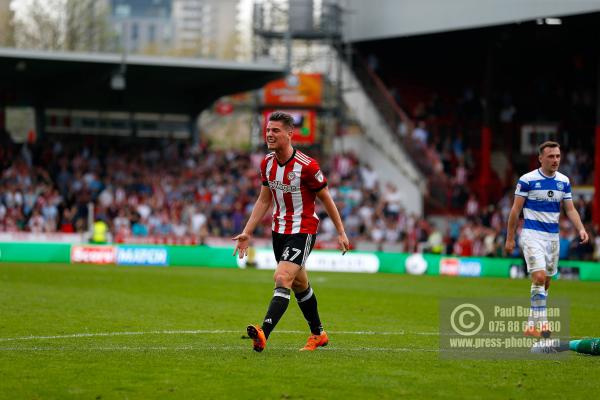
[152, 84]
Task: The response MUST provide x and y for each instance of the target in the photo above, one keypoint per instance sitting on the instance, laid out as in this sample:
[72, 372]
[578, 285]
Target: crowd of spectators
[444, 144]
[377, 216]
[440, 126]
[171, 189]
[139, 189]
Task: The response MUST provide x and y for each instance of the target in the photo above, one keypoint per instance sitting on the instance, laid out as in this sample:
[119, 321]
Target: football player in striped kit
[291, 183]
[539, 194]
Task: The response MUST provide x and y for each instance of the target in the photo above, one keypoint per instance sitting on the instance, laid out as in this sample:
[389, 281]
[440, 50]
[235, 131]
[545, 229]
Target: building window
[151, 33]
[134, 31]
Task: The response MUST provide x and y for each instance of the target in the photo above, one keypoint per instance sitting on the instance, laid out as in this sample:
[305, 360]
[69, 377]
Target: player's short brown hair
[283, 117]
[550, 144]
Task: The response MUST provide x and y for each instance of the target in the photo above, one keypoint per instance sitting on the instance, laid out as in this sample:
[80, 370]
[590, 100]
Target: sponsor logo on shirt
[277, 185]
[548, 198]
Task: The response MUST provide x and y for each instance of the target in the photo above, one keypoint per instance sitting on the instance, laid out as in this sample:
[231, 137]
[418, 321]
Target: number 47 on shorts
[286, 253]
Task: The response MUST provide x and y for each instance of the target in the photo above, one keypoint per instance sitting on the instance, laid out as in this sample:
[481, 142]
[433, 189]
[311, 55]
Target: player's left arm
[334, 214]
[576, 220]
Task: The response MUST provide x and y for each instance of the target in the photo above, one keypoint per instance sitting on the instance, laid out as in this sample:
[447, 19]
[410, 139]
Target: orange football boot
[532, 331]
[315, 341]
[258, 337]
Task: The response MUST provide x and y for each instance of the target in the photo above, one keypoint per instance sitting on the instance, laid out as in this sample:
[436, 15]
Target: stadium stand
[175, 192]
[440, 95]
[172, 192]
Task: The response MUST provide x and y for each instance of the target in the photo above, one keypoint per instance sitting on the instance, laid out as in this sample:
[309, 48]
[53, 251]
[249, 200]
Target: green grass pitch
[105, 332]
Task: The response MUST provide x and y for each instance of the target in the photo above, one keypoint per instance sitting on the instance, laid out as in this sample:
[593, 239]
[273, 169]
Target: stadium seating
[171, 192]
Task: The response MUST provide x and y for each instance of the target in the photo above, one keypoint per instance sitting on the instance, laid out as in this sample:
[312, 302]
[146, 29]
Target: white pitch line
[211, 348]
[101, 334]
[194, 332]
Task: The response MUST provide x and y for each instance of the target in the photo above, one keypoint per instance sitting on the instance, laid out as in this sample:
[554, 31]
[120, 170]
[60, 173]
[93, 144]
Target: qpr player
[539, 194]
[291, 183]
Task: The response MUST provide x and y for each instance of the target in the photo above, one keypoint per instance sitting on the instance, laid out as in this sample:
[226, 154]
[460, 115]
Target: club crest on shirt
[560, 186]
[319, 176]
[291, 175]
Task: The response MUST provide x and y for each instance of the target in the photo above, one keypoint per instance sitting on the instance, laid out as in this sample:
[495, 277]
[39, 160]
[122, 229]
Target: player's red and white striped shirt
[294, 186]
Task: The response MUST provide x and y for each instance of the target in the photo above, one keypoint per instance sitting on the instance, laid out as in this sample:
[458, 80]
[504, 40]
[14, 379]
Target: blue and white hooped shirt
[541, 210]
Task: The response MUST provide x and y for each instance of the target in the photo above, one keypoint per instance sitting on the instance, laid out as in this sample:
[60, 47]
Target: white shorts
[541, 255]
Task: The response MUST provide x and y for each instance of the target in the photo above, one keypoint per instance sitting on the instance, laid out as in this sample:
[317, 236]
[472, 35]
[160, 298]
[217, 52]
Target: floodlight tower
[306, 37]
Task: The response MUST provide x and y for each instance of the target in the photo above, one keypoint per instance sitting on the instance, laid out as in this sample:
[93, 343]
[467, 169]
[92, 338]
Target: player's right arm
[262, 205]
[513, 218]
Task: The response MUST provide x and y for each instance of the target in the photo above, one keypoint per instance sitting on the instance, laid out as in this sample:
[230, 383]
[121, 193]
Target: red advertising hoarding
[302, 90]
[93, 254]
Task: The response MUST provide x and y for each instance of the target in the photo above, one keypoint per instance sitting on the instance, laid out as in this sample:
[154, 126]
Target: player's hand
[343, 242]
[583, 235]
[509, 246]
[243, 242]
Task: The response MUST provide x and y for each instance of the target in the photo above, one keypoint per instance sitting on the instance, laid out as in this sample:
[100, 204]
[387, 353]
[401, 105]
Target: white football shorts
[541, 255]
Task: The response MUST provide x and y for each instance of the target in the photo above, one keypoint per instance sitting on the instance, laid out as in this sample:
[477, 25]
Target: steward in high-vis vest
[100, 232]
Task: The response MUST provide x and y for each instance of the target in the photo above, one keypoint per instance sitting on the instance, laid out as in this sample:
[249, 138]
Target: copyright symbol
[464, 319]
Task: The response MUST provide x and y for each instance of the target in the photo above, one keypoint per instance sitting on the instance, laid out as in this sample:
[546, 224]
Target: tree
[68, 25]
[7, 29]
[39, 25]
[87, 26]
